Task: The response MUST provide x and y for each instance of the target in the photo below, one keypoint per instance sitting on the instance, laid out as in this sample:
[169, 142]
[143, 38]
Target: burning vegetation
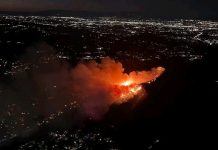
[105, 83]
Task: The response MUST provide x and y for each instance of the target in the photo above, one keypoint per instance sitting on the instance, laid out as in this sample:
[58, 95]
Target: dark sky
[190, 8]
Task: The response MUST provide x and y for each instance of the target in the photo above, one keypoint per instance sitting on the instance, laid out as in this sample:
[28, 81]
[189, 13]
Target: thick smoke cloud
[105, 83]
[41, 79]
[40, 87]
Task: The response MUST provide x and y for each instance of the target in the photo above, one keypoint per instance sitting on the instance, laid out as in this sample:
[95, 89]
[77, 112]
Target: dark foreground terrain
[36, 113]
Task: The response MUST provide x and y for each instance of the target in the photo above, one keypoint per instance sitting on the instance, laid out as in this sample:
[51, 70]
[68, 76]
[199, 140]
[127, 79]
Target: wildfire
[126, 91]
[127, 83]
[106, 83]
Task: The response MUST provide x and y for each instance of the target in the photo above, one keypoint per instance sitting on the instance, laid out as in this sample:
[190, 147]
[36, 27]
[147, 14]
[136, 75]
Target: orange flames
[124, 92]
[132, 86]
[106, 83]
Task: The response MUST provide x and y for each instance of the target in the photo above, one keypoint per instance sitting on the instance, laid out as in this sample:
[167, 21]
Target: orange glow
[127, 83]
[106, 83]
[126, 91]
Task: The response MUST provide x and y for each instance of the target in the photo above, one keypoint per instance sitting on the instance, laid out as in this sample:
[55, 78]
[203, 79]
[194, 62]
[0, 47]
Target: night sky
[159, 8]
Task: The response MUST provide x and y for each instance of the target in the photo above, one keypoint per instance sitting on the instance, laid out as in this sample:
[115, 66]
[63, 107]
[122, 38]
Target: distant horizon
[203, 9]
[59, 12]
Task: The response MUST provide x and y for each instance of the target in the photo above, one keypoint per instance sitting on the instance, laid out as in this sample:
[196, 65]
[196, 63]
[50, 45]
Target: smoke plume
[44, 88]
[101, 84]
